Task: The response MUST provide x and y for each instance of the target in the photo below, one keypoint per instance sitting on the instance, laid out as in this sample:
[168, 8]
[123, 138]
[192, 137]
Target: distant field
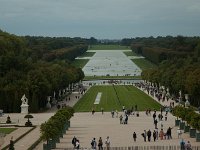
[87, 54]
[130, 53]
[80, 63]
[114, 97]
[108, 47]
[111, 77]
[143, 63]
[7, 130]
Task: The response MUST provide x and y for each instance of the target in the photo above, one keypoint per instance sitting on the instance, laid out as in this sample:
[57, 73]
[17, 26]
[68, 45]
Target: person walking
[161, 134]
[134, 136]
[121, 119]
[149, 135]
[179, 132]
[77, 145]
[74, 141]
[182, 144]
[107, 142]
[155, 123]
[188, 146]
[102, 110]
[154, 136]
[93, 144]
[100, 144]
[169, 133]
[11, 146]
[144, 135]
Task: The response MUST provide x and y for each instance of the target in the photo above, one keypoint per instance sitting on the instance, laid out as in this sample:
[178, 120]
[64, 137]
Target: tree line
[36, 66]
[178, 59]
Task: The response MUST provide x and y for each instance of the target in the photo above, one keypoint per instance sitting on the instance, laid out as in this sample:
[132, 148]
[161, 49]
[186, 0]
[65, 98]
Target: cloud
[106, 18]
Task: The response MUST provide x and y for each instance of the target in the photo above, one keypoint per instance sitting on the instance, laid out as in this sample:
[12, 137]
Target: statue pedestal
[24, 108]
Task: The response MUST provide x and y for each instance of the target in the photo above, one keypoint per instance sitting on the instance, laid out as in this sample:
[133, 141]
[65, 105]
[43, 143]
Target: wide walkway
[85, 126]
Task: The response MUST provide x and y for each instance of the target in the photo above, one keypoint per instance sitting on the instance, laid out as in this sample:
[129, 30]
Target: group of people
[75, 143]
[94, 143]
[185, 145]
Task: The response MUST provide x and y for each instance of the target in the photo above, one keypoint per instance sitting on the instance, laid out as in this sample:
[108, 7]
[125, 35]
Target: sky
[102, 19]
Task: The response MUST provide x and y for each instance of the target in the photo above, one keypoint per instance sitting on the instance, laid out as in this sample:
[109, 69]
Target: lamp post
[187, 103]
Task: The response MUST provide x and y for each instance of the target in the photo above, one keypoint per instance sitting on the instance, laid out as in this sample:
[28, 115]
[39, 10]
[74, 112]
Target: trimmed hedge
[53, 128]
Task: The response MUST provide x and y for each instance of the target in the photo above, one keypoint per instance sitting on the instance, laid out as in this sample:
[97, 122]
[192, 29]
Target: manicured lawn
[7, 130]
[144, 63]
[114, 97]
[108, 47]
[111, 77]
[80, 63]
[130, 53]
[87, 54]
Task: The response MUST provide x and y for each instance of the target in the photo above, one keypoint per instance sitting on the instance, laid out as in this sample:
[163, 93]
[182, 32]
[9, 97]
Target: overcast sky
[113, 19]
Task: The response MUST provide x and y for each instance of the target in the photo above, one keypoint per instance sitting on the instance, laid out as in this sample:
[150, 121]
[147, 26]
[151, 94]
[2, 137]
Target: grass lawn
[108, 47]
[144, 63]
[87, 54]
[7, 130]
[130, 53]
[114, 97]
[80, 63]
[111, 77]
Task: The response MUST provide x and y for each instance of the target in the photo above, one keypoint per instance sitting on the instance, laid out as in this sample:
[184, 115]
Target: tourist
[93, 144]
[161, 124]
[154, 136]
[155, 123]
[161, 134]
[157, 135]
[112, 113]
[179, 133]
[77, 144]
[166, 116]
[100, 144]
[93, 111]
[134, 136]
[107, 142]
[102, 110]
[188, 146]
[74, 141]
[11, 146]
[182, 144]
[121, 119]
[144, 135]
[116, 113]
[169, 133]
[149, 135]
[154, 115]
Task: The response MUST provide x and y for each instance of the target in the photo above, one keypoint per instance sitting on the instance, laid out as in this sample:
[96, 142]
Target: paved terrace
[85, 126]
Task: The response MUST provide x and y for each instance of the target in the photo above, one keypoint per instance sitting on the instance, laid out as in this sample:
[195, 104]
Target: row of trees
[162, 48]
[25, 69]
[178, 75]
[178, 59]
[188, 115]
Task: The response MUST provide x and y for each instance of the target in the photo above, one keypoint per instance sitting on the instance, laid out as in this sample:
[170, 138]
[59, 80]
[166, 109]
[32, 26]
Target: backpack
[92, 143]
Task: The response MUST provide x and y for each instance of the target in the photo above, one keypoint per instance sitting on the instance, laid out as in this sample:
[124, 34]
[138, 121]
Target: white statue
[48, 98]
[24, 100]
[24, 106]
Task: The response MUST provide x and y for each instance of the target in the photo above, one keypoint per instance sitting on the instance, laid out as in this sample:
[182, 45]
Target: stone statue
[24, 100]
[24, 105]
[48, 105]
